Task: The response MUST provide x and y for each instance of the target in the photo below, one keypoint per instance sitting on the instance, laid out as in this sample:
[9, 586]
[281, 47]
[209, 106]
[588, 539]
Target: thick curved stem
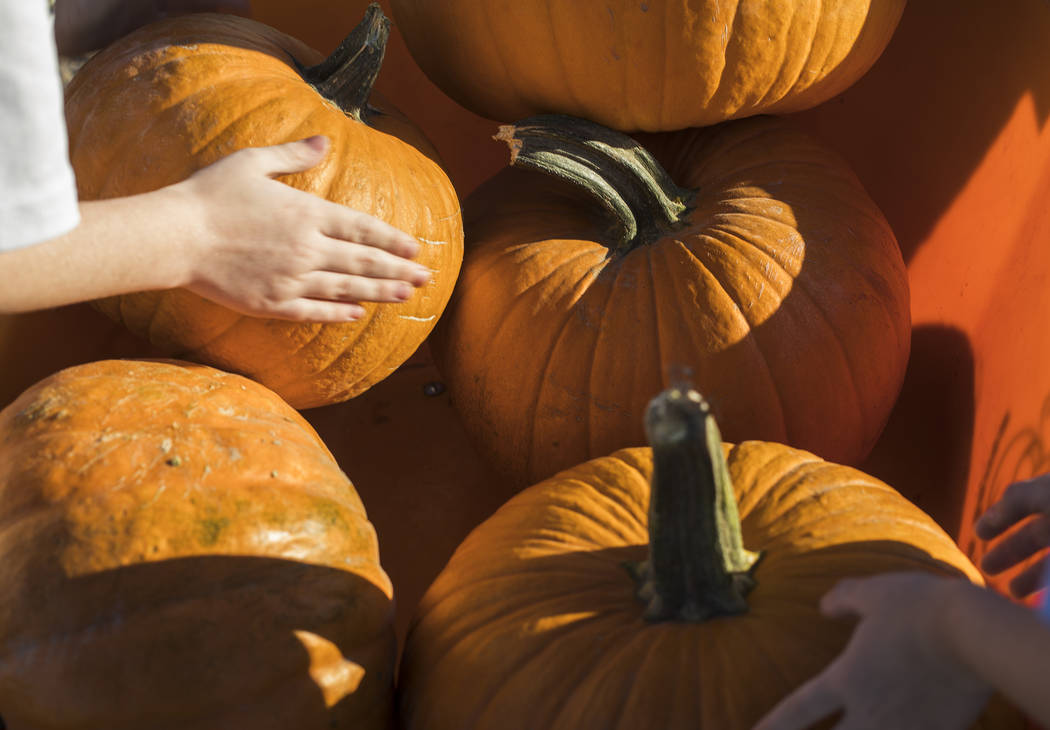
[698, 566]
[641, 199]
[347, 76]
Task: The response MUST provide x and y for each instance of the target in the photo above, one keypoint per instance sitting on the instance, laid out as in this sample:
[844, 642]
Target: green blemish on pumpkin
[174, 461]
[330, 515]
[211, 528]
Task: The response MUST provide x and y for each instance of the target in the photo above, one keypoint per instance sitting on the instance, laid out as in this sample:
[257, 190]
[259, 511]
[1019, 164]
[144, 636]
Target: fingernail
[403, 291]
[412, 247]
[318, 142]
[422, 276]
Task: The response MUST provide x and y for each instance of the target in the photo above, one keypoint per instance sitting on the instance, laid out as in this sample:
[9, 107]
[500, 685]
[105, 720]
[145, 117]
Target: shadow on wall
[933, 104]
[191, 640]
[924, 452]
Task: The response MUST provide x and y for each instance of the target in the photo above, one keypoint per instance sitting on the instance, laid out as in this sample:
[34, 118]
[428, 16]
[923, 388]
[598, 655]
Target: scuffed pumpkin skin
[534, 622]
[179, 549]
[785, 295]
[178, 95]
[656, 65]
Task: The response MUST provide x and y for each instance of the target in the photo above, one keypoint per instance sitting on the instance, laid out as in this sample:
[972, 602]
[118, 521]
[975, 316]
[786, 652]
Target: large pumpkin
[178, 95]
[462, 138]
[179, 549]
[591, 601]
[652, 65]
[759, 263]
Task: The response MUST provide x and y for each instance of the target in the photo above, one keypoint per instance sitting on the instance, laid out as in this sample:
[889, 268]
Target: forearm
[1006, 644]
[120, 246]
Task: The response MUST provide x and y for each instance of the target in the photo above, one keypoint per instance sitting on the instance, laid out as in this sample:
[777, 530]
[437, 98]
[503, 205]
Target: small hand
[897, 671]
[264, 248]
[1024, 500]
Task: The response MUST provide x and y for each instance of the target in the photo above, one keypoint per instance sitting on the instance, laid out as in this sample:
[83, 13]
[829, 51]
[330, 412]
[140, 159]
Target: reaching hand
[264, 248]
[897, 671]
[1021, 501]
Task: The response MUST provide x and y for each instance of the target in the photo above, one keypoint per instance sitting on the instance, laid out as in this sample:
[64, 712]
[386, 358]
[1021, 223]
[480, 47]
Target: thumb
[841, 601]
[282, 159]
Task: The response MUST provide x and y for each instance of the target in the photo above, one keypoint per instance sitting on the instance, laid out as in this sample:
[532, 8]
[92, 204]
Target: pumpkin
[175, 96]
[756, 261]
[178, 548]
[462, 138]
[675, 586]
[653, 65]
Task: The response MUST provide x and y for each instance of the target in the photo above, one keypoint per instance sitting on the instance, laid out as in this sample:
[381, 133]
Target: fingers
[1022, 544]
[331, 286]
[1019, 500]
[313, 310]
[351, 225]
[844, 599]
[1030, 580]
[809, 703]
[282, 159]
[364, 260]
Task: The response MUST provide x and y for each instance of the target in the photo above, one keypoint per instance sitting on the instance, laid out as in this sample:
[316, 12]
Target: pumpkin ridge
[751, 341]
[587, 429]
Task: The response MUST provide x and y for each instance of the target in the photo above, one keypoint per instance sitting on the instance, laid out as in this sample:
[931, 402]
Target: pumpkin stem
[642, 200]
[347, 76]
[697, 567]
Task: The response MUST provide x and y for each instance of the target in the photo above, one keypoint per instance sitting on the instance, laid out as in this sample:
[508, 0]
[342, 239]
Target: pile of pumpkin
[179, 547]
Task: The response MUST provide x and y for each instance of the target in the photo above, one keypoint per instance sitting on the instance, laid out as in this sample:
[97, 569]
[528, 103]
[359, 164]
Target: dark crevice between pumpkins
[347, 76]
[642, 201]
[698, 567]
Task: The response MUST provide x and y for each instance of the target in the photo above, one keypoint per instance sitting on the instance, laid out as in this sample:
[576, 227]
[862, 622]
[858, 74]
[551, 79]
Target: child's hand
[1020, 501]
[264, 248]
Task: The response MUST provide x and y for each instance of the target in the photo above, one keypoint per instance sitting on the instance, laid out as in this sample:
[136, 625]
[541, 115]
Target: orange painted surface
[949, 132]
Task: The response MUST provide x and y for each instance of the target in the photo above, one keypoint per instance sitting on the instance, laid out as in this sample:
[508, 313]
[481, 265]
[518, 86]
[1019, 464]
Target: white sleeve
[38, 196]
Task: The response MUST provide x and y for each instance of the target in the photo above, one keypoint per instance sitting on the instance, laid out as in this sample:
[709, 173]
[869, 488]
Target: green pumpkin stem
[641, 199]
[698, 567]
[347, 76]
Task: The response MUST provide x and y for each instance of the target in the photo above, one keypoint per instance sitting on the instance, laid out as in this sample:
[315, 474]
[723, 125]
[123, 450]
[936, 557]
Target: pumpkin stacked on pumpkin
[743, 252]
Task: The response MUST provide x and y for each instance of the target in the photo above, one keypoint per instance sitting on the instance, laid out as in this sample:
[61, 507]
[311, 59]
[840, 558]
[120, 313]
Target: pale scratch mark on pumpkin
[156, 496]
[417, 319]
[432, 242]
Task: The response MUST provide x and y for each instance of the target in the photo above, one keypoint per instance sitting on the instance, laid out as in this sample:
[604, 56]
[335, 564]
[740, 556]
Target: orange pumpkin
[185, 92]
[759, 263]
[179, 549]
[462, 138]
[592, 601]
[652, 65]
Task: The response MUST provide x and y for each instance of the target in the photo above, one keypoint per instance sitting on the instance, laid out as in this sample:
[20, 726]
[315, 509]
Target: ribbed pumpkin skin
[786, 295]
[174, 97]
[178, 549]
[658, 65]
[534, 622]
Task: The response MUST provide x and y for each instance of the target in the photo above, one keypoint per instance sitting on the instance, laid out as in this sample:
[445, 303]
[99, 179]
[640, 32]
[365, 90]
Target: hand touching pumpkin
[262, 247]
[899, 669]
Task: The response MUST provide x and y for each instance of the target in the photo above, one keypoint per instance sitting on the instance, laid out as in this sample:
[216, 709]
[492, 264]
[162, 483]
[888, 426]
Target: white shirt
[38, 196]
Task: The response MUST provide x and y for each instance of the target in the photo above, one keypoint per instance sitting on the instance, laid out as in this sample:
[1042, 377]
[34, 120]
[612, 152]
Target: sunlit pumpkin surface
[783, 293]
[173, 97]
[178, 549]
[655, 65]
[534, 623]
